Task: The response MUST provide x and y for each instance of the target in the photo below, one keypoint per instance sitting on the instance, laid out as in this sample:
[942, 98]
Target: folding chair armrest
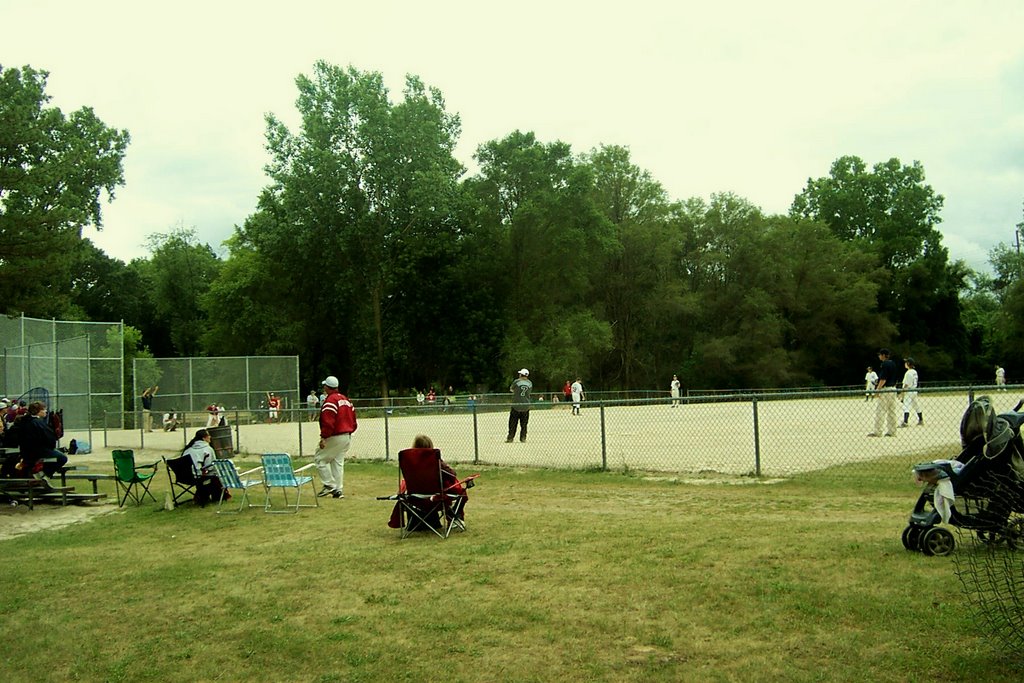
[151, 466]
[391, 497]
[254, 469]
[468, 482]
[305, 467]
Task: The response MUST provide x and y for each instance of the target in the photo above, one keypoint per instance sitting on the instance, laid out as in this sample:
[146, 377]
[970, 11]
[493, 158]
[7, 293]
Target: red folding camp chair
[430, 496]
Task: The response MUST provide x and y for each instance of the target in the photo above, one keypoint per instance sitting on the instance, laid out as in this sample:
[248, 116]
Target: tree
[366, 198]
[537, 206]
[52, 171]
[782, 301]
[889, 210]
[176, 278]
[104, 288]
[634, 293]
[891, 213]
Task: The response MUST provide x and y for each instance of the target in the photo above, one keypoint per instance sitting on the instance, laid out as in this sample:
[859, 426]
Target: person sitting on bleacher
[39, 455]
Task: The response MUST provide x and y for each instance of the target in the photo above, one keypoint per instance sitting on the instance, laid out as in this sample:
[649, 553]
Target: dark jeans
[518, 417]
[53, 461]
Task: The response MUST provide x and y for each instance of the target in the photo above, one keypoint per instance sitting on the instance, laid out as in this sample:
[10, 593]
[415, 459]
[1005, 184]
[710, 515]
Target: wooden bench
[94, 478]
[35, 489]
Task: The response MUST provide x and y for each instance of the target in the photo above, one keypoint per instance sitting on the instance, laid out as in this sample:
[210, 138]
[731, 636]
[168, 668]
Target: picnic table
[32, 489]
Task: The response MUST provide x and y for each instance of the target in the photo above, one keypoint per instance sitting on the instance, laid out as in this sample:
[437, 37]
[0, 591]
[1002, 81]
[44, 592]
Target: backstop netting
[237, 383]
[80, 363]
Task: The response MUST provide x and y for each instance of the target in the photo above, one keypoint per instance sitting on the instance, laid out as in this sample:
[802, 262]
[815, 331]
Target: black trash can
[220, 439]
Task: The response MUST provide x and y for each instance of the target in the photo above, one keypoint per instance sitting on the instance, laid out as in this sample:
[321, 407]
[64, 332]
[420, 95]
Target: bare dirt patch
[19, 520]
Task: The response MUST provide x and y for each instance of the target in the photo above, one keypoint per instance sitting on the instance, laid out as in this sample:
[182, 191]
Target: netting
[79, 363]
[238, 383]
[990, 565]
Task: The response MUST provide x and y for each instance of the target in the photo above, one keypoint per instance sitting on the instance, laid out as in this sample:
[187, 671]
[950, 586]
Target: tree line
[373, 255]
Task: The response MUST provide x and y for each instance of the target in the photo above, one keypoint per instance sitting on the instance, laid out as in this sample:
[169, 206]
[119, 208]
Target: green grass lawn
[562, 576]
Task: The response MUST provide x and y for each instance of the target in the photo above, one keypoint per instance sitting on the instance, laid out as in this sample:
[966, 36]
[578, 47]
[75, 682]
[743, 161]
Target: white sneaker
[325, 491]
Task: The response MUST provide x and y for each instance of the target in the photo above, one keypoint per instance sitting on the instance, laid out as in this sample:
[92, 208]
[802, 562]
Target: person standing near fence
[577, 396]
[870, 380]
[337, 423]
[519, 414]
[147, 407]
[673, 389]
[273, 406]
[910, 385]
[887, 408]
[312, 401]
[1000, 378]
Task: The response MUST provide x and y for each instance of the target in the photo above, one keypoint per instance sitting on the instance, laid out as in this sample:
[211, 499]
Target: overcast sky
[745, 97]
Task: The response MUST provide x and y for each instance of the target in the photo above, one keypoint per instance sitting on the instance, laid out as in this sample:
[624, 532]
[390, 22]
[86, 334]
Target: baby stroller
[982, 490]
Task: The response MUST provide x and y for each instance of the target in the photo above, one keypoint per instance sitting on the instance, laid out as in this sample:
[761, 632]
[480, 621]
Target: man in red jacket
[337, 422]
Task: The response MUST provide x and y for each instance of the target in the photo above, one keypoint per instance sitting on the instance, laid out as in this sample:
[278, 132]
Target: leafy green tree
[537, 205]
[53, 169]
[635, 292]
[892, 213]
[176, 279]
[783, 302]
[104, 288]
[364, 201]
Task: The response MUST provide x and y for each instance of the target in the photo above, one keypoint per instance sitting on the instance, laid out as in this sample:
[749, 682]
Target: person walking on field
[577, 396]
[673, 388]
[870, 380]
[1000, 378]
[910, 385]
[519, 414]
[337, 423]
[887, 408]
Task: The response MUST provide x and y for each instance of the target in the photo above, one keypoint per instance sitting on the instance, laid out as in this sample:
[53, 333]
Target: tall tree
[892, 213]
[538, 205]
[782, 300]
[365, 197]
[177, 278]
[53, 169]
[634, 292]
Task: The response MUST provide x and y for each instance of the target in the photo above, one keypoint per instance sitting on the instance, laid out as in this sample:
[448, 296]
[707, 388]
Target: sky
[742, 97]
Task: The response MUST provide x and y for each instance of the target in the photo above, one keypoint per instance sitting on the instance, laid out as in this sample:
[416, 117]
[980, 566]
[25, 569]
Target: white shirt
[910, 379]
[202, 455]
[870, 379]
[577, 391]
[674, 387]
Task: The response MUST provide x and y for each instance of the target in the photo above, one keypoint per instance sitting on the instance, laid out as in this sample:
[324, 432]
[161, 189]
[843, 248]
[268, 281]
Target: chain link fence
[239, 384]
[79, 363]
[764, 435]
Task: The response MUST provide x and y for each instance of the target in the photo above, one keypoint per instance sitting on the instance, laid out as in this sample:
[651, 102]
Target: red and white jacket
[337, 415]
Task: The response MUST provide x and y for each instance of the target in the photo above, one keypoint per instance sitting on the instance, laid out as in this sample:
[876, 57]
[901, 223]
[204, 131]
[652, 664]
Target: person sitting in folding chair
[451, 484]
[208, 486]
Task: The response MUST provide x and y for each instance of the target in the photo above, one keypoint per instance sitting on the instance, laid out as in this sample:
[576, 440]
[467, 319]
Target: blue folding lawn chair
[278, 473]
[233, 480]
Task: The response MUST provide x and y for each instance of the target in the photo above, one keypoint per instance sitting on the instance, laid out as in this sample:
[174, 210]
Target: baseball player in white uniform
[910, 384]
[577, 396]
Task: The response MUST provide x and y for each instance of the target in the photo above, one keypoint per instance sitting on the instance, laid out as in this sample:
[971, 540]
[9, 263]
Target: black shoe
[508, 440]
[522, 440]
[325, 491]
[336, 493]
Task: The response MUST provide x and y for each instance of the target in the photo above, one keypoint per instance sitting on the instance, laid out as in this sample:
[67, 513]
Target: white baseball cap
[331, 382]
[524, 372]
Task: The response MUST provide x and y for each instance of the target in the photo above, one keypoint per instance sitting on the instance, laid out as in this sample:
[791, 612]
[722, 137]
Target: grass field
[562, 576]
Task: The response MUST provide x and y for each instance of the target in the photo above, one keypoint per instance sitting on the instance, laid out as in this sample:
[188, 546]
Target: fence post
[604, 441]
[757, 441]
[970, 396]
[476, 438]
[387, 436]
[302, 418]
[105, 413]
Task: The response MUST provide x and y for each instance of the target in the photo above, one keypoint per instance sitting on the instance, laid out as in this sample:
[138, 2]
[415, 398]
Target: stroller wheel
[937, 541]
[910, 537]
